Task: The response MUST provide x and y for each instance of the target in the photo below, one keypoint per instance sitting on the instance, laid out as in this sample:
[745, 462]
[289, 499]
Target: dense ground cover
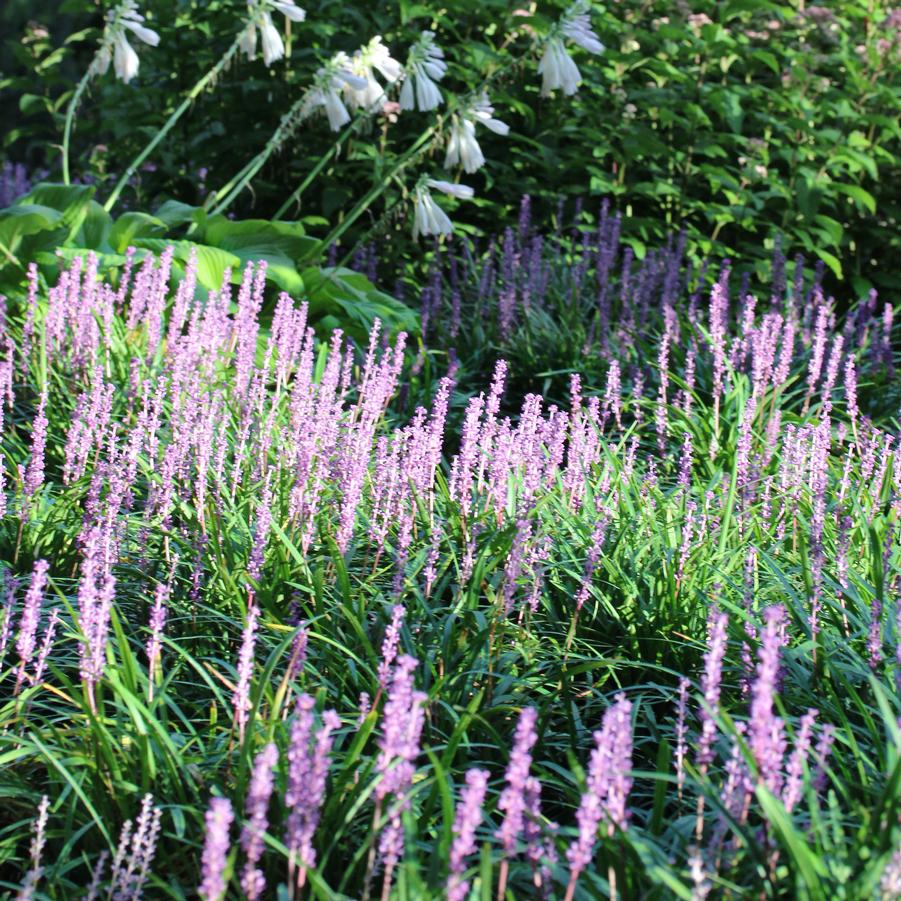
[286, 617]
[559, 561]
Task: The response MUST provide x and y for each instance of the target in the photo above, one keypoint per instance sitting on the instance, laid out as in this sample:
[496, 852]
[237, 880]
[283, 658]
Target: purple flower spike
[31, 617]
[607, 787]
[241, 699]
[257, 805]
[467, 820]
[402, 722]
[308, 764]
[219, 817]
[767, 732]
[512, 800]
[389, 645]
[710, 684]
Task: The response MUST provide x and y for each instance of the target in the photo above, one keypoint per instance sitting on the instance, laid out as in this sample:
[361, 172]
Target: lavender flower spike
[135, 852]
[389, 645]
[308, 764]
[219, 817]
[607, 787]
[252, 879]
[241, 699]
[39, 839]
[512, 799]
[402, 719]
[157, 625]
[31, 616]
[710, 683]
[467, 820]
[767, 732]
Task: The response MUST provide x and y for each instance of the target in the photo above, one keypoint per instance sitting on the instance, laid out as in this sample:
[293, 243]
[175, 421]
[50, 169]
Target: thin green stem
[298, 191]
[70, 118]
[233, 188]
[190, 97]
[421, 145]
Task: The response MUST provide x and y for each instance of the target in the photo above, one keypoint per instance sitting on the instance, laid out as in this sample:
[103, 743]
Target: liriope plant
[305, 636]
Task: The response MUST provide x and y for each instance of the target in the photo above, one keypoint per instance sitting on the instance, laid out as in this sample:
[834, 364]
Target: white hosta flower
[289, 9]
[329, 82]
[483, 112]
[425, 66]
[461, 192]
[273, 46]
[115, 46]
[132, 19]
[270, 37]
[125, 60]
[576, 25]
[462, 146]
[375, 55]
[428, 217]
[557, 68]
[248, 42]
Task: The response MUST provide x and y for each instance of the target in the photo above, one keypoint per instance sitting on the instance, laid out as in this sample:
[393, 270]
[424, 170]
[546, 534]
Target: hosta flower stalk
[425, 66]
[261, 24]
[428, 217]
[462, 146]
[557, 68]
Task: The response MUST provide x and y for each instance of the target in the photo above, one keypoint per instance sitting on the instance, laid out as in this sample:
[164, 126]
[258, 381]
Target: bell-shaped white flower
[428, 217]
[270, 37]
[290, 10]
[102, 59]
[425, 66]
[248, 42]
[557, 68]
[115, 47]
[330, 81]
[483, 111]
[461, 192]
[462, 146]
[380, 58]
[132, 20]
[576, 25]
[125, 60]
[273, 46]
[374, 56]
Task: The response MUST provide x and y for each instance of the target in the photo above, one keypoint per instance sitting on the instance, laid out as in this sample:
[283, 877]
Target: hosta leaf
[130, 226]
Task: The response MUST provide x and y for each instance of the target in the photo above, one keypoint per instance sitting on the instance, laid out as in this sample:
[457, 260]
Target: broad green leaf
[173, 213]
[26, 219]
[859, 195]
[70, 200]
[281, 245]
[130, 226]
[95, 229]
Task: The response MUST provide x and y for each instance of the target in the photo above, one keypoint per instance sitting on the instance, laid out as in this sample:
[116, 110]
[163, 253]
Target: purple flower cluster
[467, 820]
[607, 789]
[308, 763]
[216, 845]
[253, 882]
[512, 801]
[399, 746]
[766, 737]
